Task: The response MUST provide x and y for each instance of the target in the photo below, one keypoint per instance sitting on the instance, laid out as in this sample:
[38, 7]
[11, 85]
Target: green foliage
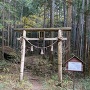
[1, 6]
[86, 83]
[4, 66]
[1, 26]
[39, 65]
[32, 21]
[9, 11]
[1, 86]
[34, 6]
[67, 84]
[11, 82]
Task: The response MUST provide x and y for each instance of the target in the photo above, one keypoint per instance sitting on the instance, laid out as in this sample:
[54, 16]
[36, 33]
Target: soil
[35, 80]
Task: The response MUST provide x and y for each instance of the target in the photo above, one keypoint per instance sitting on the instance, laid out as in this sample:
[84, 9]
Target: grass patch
[4, 66]
[67, 84]
[11, 82]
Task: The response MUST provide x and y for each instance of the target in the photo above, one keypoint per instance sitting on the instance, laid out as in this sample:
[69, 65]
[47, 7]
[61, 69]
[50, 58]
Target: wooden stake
[60, 55]
[22, 56]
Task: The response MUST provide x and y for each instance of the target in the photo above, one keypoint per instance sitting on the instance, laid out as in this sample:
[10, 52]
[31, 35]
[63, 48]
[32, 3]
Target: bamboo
[43, 29]
[60, 56]
[22, 56]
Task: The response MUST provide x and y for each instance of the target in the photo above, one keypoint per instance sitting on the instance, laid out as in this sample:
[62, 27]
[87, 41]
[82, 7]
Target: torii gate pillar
[60, 55]
[22, 55]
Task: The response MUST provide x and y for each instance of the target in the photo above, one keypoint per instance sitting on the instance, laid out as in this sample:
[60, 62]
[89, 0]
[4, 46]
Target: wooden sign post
[73, 65]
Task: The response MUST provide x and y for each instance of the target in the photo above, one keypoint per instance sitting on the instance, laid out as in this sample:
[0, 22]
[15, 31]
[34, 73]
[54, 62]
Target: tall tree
[69, 24]
[52, 9]
[64, 9]
[3, 30]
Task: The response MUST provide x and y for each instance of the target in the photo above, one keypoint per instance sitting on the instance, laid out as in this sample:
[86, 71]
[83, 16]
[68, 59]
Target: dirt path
[36, 83]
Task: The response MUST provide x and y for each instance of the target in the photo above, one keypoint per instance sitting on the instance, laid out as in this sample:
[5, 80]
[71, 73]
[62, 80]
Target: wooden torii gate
[59, 38]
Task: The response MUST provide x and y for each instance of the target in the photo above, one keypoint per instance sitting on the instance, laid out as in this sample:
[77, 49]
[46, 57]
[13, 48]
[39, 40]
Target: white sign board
[75, 66]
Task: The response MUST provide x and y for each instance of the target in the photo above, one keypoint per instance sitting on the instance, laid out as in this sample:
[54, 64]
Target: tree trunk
[44, 26]
[69, 23]
[82, 29]
[88, 40]
[64, 9]
[52, 7]
[3, 33]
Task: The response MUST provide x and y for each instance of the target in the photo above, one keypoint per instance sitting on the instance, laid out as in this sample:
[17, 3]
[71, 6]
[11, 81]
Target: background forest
[47, 14]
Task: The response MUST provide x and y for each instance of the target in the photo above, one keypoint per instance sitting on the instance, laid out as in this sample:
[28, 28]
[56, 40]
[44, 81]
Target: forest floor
[9, 79]
[35, 81]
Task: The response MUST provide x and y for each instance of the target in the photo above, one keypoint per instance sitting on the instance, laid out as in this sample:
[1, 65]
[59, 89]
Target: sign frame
[74, 64]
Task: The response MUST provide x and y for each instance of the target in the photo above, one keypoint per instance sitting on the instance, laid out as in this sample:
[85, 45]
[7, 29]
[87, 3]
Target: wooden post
[22, 56]
[60, 55]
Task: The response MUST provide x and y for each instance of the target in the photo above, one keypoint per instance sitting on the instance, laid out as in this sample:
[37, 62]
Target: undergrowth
[9, 77]
[11, 82]
[4, 66]
[39, 66]
[67, 83]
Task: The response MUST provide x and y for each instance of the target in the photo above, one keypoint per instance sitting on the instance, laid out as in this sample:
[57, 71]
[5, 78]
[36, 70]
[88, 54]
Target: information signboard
[75, 66]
